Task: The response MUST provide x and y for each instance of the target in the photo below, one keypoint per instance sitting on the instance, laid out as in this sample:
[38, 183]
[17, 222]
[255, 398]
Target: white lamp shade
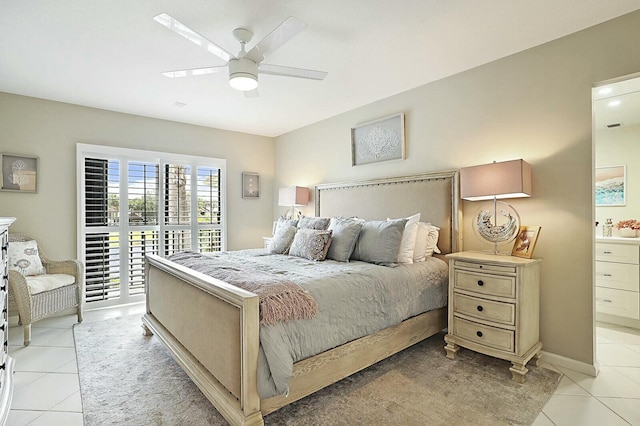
[293, 196]
[507, 179]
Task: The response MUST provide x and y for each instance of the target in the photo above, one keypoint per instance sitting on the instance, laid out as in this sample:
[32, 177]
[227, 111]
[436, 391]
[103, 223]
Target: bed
[188, 310]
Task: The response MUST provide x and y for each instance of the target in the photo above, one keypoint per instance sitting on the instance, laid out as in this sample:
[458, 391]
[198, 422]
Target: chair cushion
[24, 258]
[46, 282]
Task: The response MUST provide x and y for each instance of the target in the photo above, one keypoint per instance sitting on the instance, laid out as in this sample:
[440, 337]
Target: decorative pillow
[282, 239]
[311, 244]
[408, 242]
[321, 223]
[344, 238]
[379, 242]
[24, 258]
[283, 221]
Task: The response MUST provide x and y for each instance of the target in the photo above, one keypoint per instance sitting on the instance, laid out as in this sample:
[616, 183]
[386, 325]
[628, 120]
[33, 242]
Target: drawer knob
[480, 283]
[480, 308]
[479, 333]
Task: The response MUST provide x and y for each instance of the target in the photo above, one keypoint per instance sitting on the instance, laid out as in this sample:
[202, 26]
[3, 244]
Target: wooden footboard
[212, 330]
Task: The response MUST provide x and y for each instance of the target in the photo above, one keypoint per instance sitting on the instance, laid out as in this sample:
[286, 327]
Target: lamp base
[497, 226]
[293, 214]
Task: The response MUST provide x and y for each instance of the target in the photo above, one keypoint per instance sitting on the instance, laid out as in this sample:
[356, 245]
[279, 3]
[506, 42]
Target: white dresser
[494, 308]
[618, 280]
[6, 366]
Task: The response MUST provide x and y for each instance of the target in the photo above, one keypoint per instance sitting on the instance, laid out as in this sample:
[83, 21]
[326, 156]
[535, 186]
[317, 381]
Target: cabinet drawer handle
[480, 308]
[479, 333]
[607, 275]
[607, 252]
[480, 283]
[607, 300]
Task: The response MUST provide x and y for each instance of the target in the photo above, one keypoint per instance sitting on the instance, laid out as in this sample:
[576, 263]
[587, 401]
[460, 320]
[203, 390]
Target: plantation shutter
[133, 207]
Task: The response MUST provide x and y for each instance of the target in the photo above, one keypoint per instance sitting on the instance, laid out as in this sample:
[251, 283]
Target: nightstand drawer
[486, 267]
[492, 285]
[504, 313]
[621, 253]
[618, 302]
[497, 338]
[621, 276]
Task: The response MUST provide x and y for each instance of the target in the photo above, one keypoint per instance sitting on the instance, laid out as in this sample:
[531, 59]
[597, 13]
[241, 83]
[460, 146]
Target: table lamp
[495, 181]
[293, 196]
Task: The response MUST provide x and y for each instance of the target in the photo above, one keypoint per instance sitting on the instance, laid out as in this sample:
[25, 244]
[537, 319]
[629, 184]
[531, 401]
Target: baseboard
[572, 364]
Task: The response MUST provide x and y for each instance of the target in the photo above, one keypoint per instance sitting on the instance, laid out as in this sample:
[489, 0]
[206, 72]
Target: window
[133, 203]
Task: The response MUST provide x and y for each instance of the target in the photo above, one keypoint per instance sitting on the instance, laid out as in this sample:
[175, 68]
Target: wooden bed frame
[211, 327]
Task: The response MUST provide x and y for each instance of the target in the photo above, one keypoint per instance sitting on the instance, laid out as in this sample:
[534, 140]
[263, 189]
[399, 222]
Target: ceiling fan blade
[186, 32]
[193, 71]
[252, 93]
[276, 38]
[291, 72]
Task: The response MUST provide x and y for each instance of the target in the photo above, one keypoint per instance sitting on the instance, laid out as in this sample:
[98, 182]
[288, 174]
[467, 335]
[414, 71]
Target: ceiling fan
[245, 67]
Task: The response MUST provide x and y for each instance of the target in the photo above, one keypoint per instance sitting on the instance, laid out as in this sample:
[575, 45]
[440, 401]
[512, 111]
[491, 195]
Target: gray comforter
[354, 299]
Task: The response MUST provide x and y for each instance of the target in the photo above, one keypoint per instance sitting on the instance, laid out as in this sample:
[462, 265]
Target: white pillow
[408, 242]
[24, 258]
[432, 240]
[426, 242]
[420, 248]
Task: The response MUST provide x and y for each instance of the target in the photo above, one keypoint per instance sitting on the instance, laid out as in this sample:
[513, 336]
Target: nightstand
[494, 308]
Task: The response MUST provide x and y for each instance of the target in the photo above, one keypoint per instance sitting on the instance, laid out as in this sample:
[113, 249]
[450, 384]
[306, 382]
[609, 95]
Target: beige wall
[50, 130]
[534, 105]
[620, 146]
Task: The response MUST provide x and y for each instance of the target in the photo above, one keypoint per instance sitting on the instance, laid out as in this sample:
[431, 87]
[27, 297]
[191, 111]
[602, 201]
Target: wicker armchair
[34, 307]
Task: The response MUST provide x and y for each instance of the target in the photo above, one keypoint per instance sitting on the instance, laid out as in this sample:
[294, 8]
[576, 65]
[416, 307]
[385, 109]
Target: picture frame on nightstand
[525, 241]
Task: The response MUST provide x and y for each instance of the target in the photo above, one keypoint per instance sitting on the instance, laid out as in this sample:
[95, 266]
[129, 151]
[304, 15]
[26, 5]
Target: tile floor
[46, 387]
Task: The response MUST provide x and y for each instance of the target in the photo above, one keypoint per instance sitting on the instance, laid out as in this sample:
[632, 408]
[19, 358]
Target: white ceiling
[109, 54]
[617, 103]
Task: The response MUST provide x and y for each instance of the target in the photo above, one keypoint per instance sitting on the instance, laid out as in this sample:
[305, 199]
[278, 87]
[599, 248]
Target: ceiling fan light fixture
[243, 74]
[243, 81]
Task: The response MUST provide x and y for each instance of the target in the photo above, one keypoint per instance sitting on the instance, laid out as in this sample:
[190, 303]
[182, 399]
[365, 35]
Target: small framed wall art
[610, 183]
[378, 140]
[526, 241]
[250, 185]
[19, 173]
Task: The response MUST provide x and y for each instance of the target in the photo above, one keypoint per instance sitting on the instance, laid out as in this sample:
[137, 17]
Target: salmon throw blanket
[280, 299]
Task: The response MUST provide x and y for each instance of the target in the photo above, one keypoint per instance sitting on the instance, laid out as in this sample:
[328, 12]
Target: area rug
[130, 379]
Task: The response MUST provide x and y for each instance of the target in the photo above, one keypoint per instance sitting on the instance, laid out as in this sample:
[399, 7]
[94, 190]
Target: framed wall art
[526, 241]
[610, 184]
[19, 173]
[250, 185]
[378, 140]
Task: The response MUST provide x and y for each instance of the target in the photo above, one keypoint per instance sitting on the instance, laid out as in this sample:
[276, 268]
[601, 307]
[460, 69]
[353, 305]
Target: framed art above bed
[378, 140]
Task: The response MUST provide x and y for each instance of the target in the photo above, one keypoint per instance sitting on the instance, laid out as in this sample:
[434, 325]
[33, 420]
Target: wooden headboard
[434, 195]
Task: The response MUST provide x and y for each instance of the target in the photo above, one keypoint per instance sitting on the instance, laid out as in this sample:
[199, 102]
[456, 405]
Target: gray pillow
[379, 242]
[290, 222]
[321, 223]
[282, 239]
[311, 244]
[344, 238]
